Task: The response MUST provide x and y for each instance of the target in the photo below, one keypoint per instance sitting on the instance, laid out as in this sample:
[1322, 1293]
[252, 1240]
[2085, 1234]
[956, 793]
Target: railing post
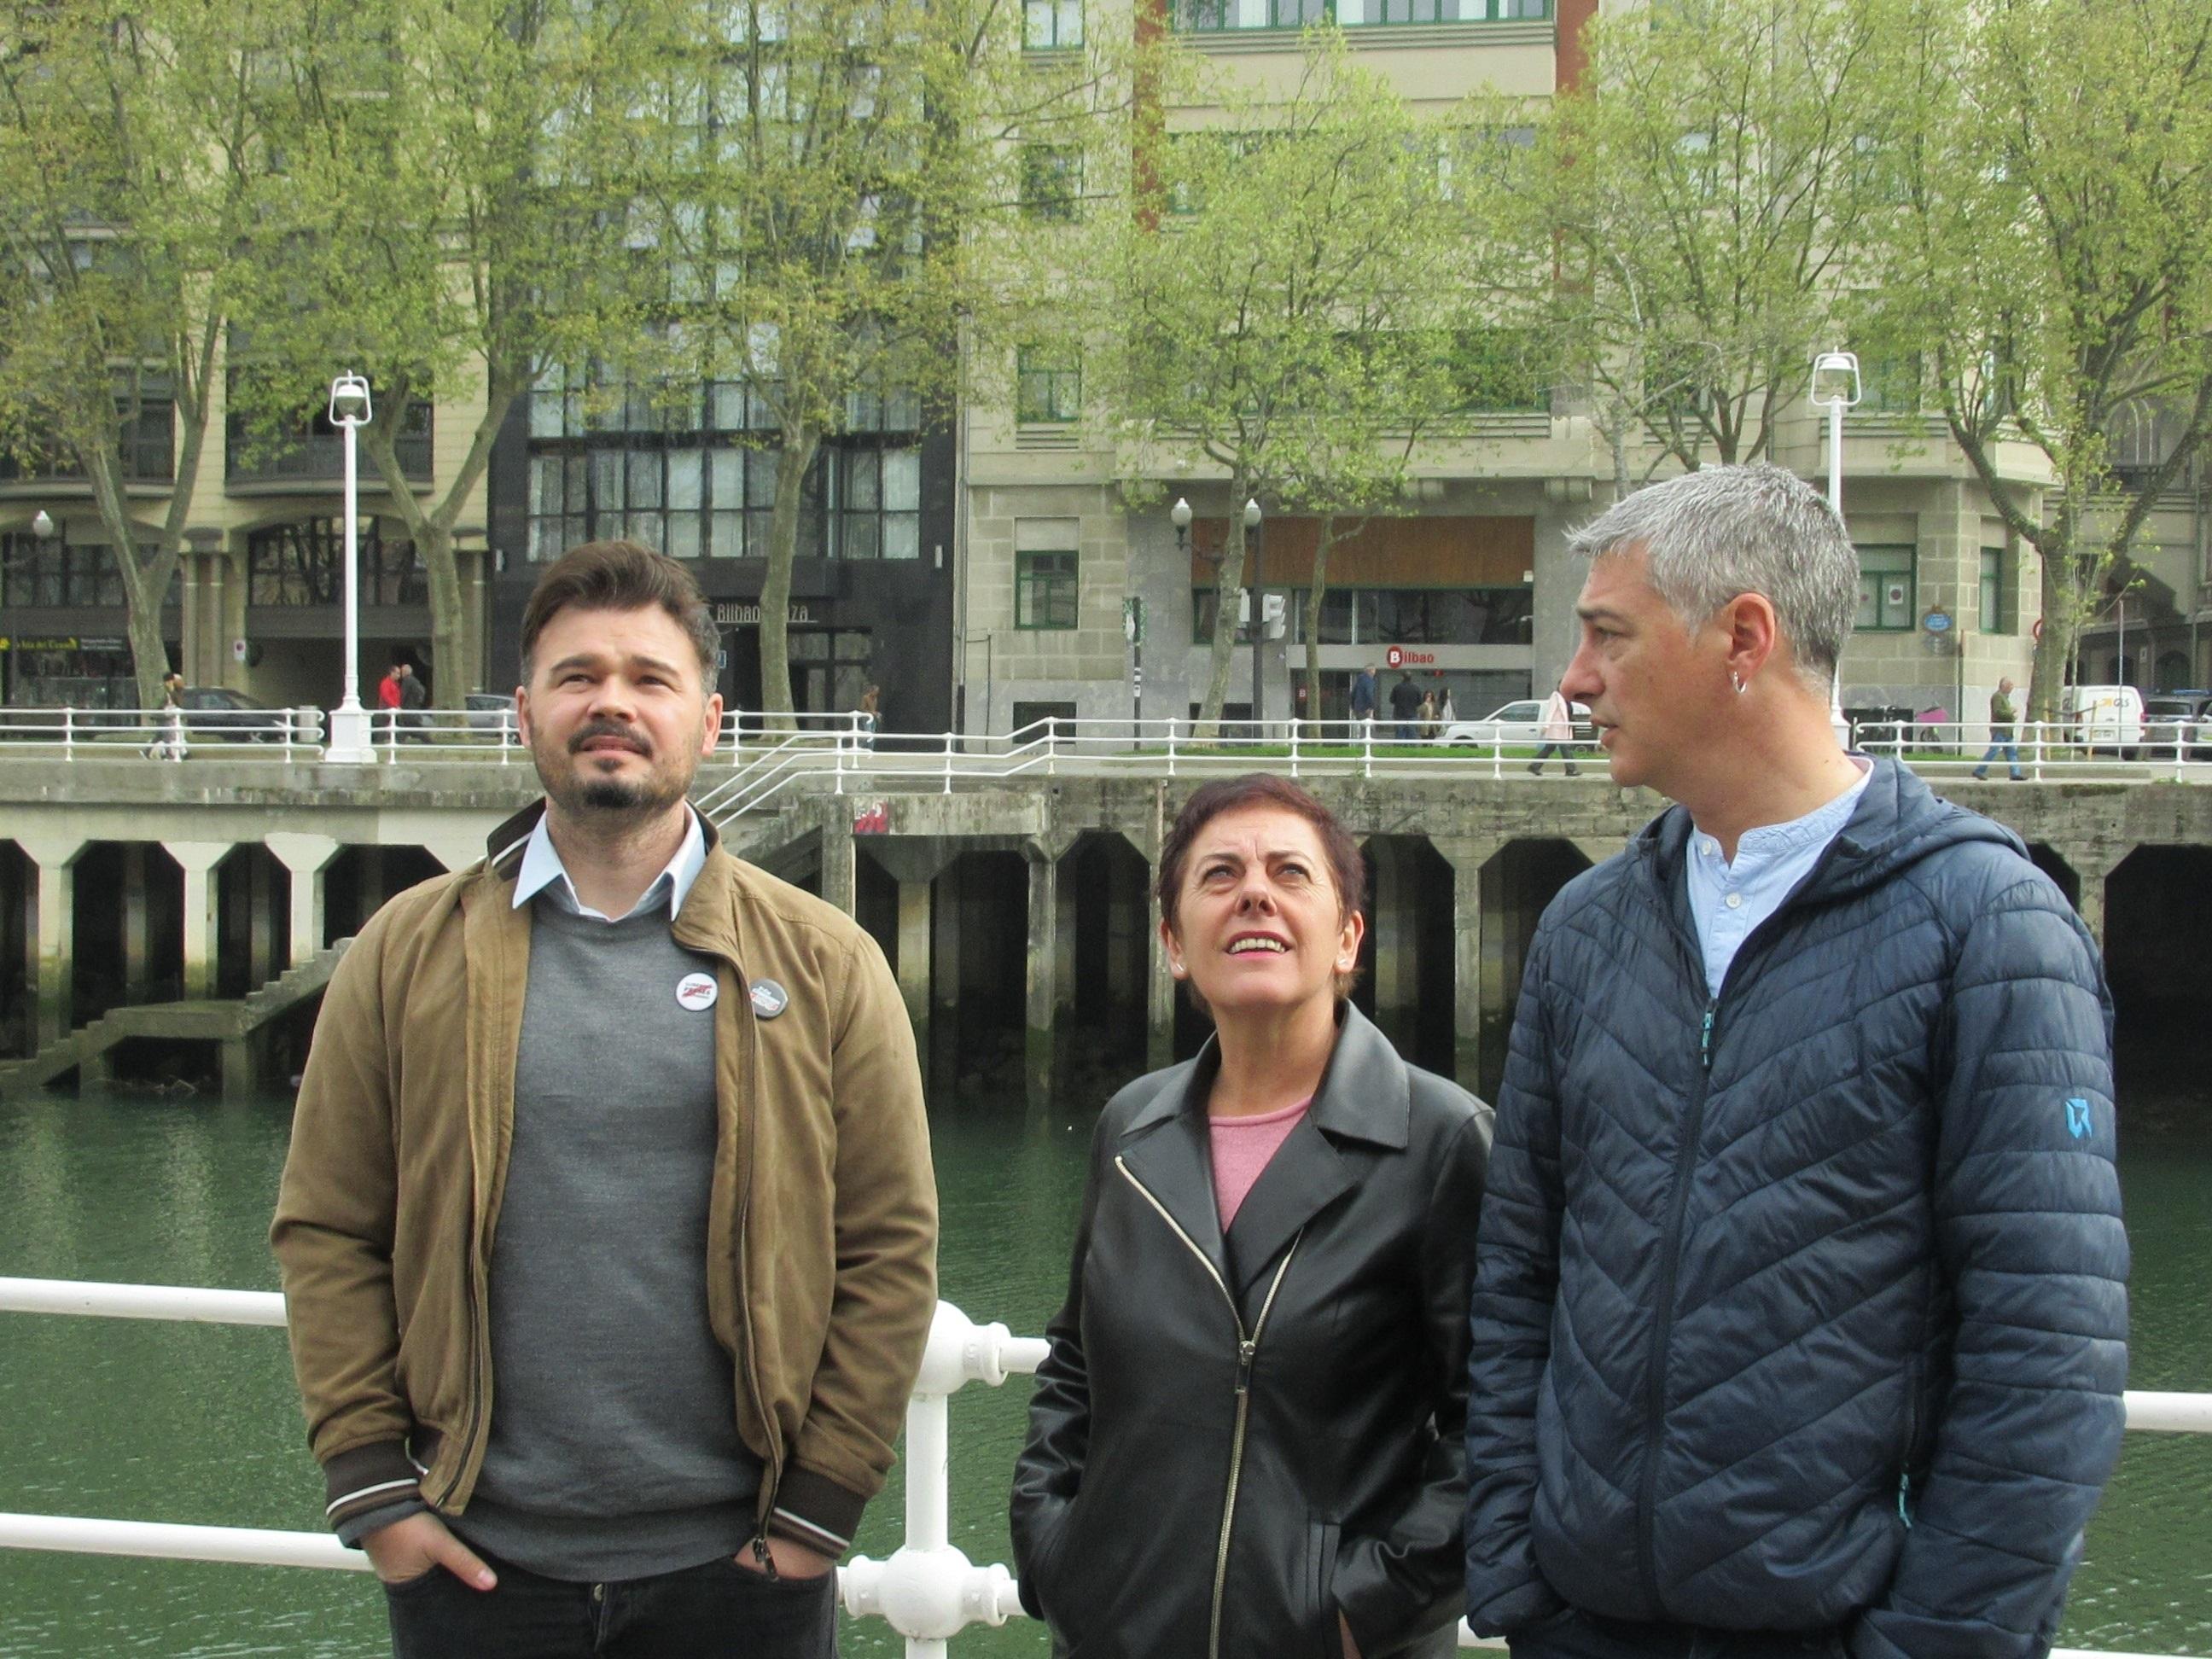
[948, 763]
[288, 737]
[1294, 745]
[69, 733]
[1171, 755]
[1367, 747]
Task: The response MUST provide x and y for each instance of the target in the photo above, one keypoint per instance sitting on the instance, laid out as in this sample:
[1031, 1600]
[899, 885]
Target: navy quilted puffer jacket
[1804, 1308]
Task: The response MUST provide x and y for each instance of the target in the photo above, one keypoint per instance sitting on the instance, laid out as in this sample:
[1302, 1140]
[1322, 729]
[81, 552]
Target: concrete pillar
[913, 958]
[52, 931]
[2092, 872]
[1063, 1005]
[199, 859]
[1390, 919]
[840, 881]
[1128, 912]
[944, 949]
[1043, 996]
[1159, 997]
[260, 921]
[137, 924]
[307, 857]
[241, 1069]
[1467, 858]
[373, 891]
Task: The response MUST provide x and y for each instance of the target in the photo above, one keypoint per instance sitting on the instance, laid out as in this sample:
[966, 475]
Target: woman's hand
[1351, 1644]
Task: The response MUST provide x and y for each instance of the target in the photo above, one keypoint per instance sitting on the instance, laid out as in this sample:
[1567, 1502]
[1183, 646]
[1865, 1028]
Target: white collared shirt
[541, 869]
[1729, 897]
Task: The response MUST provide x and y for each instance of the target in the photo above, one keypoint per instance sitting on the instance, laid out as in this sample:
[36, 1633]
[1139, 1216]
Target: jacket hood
[1898, 822]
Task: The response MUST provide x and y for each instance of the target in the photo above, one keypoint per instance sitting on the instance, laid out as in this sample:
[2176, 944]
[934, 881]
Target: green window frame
[1048, 387]
[1051, 183]
[1051, 25]
[1999, 613]
[1046, 587]
[1888, 589]
[1226, 17]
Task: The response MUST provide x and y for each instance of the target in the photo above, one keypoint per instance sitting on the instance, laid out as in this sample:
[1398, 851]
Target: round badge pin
[769, 999]
[696, 991]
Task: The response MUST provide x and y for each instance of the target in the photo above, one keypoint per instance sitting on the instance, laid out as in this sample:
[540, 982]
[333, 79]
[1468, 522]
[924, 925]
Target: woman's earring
[1736, 680]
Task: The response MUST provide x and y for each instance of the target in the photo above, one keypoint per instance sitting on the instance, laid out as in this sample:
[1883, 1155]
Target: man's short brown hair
[620, 576]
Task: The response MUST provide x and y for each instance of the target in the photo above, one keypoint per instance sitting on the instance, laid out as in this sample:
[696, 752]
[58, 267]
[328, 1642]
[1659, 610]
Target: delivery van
[2107, 717]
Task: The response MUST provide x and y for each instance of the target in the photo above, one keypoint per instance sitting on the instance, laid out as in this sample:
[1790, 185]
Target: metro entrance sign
[1398, 656]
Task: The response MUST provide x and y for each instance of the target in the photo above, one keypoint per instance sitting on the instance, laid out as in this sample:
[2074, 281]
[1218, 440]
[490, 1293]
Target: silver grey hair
[1722, 532]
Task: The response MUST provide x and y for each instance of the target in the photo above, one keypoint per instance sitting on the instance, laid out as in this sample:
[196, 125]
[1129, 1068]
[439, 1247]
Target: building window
[1396, 616]
[1499, 371]
[1890, 386]
[670, 468]
[304, 563]
[1885, 590]
[146, 444]
[1052, 182]
[50, 572]
[1217, 16]
[1050, 25]
[1999, 615]
[314, 449]
[1044, 590]
[1048, 388]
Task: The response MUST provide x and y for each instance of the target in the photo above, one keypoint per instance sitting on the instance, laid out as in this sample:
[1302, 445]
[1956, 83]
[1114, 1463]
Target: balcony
[314, 458]
[148, 458]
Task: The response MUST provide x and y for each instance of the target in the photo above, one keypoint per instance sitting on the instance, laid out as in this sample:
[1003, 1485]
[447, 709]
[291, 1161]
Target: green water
[199, 1424]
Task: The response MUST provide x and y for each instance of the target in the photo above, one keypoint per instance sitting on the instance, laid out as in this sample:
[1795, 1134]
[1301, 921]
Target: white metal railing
[769, 753]
[829, 747]
[927, 1590]
[163, 734]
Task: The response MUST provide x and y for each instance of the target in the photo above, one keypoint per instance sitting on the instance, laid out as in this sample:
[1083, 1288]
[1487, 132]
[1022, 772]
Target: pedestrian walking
[2004, 732]
[1556, 724]
[1363, 704]
[1405, 706]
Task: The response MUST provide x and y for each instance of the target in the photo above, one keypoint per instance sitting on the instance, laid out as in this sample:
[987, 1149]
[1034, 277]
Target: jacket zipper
[1248, 1350]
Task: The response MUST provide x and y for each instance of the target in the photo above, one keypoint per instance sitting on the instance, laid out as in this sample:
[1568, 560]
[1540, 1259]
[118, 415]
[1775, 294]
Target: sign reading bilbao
[1399, 656]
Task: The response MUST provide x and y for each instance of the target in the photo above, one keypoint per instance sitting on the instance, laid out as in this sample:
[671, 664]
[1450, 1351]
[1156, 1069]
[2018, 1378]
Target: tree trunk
[1313, 614]
[1227, 581]
[802, 441]
[146, 581]
[2054, 651]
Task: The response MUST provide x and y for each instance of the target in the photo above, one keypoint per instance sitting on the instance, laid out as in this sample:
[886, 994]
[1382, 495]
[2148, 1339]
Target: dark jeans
[718, 1611]
[1575, 1634]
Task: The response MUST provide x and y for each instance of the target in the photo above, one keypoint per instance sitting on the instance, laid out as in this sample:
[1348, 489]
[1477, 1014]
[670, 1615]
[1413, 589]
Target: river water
[200, 1423]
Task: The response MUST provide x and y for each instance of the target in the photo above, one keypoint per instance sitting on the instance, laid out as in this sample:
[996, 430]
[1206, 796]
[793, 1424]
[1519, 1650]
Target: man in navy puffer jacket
[1800, 1315]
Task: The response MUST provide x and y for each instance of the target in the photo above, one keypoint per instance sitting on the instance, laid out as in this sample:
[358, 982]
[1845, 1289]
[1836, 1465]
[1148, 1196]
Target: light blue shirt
[1730, 897]
[541, 869]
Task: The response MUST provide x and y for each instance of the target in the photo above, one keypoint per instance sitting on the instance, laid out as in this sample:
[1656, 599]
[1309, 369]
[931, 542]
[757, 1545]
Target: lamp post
[1253, 534]
[1836, 384]
[350, 739]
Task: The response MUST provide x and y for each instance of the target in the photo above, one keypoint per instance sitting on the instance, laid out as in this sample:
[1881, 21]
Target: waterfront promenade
[1012, 878]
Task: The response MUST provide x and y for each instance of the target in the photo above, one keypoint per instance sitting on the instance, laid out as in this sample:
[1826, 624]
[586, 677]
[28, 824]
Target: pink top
[1241, 1149]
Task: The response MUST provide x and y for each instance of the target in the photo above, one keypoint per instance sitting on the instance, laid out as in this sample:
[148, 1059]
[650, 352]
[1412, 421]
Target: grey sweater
[613, 1451]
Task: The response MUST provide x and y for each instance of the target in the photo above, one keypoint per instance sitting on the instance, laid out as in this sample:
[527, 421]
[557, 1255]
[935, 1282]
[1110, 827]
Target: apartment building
[1467, 587]
[256, 605]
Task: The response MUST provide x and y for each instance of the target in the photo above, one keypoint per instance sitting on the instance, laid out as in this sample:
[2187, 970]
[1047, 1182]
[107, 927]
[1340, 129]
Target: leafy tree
[1706, 189]
[1270, 300]
[133, 175]
[455, 217]
[2049, 260]
[848, 194]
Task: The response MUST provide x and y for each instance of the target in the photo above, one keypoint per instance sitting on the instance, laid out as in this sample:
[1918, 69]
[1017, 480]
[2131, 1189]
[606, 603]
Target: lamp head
[350, 404]
[1179, 514]
[42, 524]
[1251, 513]
[1836, 379]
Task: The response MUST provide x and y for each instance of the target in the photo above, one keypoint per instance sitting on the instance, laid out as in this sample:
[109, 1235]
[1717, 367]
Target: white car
[1517, 725]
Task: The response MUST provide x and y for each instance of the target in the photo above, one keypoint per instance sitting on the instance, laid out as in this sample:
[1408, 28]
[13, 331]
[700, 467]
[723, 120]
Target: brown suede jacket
[822, 1229]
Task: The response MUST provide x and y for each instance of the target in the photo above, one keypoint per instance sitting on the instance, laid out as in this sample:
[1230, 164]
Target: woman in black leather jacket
[1246, 1443]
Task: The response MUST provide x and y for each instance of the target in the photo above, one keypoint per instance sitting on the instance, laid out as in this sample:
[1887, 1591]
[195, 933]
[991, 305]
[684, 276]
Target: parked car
[1518, 724]
[486, 710]
[219, 709]
[2169, 723]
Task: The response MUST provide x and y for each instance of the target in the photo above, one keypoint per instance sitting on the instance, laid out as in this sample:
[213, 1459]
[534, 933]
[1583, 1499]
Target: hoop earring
[1737, 680]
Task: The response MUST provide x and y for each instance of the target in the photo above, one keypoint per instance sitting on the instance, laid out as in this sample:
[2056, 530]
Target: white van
[2103, 716]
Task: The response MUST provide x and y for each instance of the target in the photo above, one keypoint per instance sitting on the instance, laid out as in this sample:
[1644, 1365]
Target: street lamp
[42, 524]
[1836, 384]
[350, 739]
[1251, 537]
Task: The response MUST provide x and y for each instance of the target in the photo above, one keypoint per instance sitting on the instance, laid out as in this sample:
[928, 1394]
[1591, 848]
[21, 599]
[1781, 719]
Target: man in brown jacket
[608, 1231]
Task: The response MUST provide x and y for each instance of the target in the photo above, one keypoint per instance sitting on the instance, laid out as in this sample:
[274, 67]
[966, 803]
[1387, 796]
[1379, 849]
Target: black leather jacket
[1235, 1439]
